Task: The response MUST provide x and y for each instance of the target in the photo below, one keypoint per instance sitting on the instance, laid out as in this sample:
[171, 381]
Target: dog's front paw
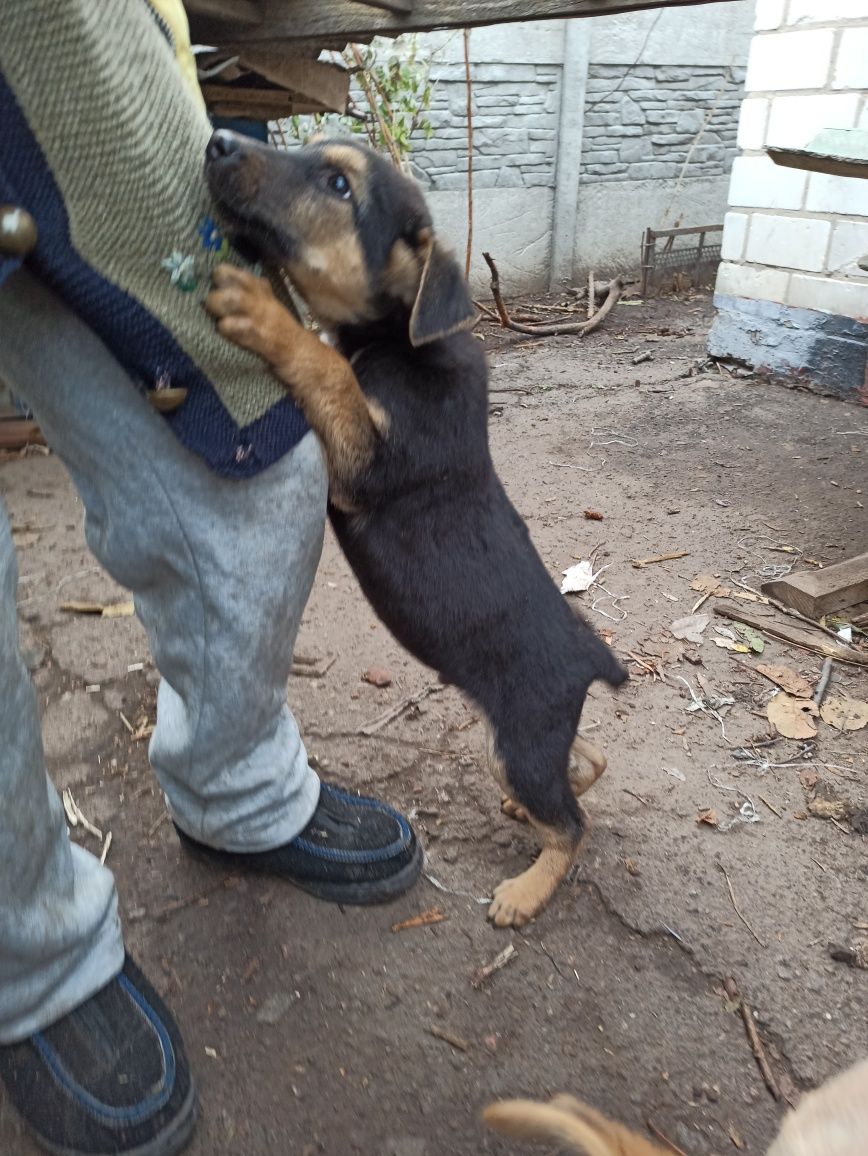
[247, 312]
[514, 903]
[514, 810]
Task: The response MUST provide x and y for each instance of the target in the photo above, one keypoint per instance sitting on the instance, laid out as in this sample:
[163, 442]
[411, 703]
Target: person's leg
[220, 571]
[60, 938]
[74, 1012]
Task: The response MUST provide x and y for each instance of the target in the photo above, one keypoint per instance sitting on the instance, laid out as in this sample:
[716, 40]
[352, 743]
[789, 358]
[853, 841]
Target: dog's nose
[222, 144]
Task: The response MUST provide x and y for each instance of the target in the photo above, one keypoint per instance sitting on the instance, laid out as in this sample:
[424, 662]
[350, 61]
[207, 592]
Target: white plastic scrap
[579, 578]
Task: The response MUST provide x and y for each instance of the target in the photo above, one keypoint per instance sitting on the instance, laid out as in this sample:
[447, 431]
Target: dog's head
[569, 1123]
[352, 233]
[832, 1121]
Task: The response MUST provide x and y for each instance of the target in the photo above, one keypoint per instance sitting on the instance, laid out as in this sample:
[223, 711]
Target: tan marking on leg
[317, 376]
[495, 763]
[518, 900]
[591, 762]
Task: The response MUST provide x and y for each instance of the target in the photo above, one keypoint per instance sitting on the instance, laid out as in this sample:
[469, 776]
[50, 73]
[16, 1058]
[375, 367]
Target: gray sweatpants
[220, 572]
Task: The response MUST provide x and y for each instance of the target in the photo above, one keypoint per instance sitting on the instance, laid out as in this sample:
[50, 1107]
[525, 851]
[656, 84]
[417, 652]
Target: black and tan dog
[401, 407]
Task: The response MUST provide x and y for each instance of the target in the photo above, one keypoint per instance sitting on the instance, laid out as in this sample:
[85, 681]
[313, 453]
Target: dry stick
[736, 907]
[454, 1041]
[641, 563]
[469, 84]
[483, 974]
[579, 328]
[756, 1043]
[823, 683]
[652, 1127]
[394, 712]
[592, 297]
[423, 919]
[774, 810]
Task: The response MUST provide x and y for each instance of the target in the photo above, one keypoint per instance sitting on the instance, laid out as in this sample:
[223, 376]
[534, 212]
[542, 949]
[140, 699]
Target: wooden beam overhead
[293, 20]
[233, 12]
[314, 81]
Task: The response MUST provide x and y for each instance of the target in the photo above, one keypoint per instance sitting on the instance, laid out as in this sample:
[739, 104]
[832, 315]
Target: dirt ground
[310, 1027]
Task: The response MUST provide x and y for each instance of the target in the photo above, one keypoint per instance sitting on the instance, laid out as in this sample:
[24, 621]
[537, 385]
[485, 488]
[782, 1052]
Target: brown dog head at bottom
[831, 1121]
[352, 233]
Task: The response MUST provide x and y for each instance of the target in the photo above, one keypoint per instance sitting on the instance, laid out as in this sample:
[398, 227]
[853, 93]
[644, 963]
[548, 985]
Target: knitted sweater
[102, 140]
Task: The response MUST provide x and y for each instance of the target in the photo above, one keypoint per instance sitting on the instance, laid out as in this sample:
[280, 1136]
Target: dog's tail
[596, 659]
[568, 1122]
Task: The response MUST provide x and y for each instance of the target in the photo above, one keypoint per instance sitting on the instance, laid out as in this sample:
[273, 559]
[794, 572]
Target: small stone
[275, 1007]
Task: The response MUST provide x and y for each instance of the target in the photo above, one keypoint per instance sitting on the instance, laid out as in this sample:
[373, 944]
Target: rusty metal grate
[670, 254]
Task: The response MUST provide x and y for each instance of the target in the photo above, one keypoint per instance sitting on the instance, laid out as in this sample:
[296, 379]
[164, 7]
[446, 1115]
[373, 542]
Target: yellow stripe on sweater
[172, 13]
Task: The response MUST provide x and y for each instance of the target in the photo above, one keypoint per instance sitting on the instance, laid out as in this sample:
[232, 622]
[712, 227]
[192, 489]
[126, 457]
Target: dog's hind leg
[590, 762]
[586, 766]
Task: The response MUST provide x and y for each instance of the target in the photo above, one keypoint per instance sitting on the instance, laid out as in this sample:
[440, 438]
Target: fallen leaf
[752, 637]
[690, 628]
[845, 714]
[828, 809]
[708, 816]
[728, 644]
[789, 680]
[577, 578]
[377, 676]
[792, 717]
[593, 515]
[808, 778]
[708, 584]
[736, 1139]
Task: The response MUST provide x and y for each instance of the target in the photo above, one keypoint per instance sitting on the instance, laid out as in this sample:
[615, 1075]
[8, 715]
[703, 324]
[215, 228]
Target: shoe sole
[172, 1141]
[361, 894]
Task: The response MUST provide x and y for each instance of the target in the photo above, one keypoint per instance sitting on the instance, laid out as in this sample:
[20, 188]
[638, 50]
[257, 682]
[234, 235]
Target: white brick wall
[795, 120]
[747, 281]
[734, 236]
[788, 242]
[784, 60]
[794, 237]
[752, 122]
[757, 181]
[824, 11]
[851, 66]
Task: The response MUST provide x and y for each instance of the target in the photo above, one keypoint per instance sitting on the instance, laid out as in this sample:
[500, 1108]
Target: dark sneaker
[354, 850]
[110, 1078]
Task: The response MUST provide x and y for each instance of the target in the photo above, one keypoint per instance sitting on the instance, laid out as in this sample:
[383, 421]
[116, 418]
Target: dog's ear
[442, 304]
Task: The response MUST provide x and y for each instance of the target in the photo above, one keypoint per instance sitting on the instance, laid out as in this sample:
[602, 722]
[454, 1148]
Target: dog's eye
[339, 184]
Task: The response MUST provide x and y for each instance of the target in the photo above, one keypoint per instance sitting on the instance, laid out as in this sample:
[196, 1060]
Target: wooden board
[15, 435]
[288, 20]
[818, 592]
[313, 81]
[814, 162]
[801, 636]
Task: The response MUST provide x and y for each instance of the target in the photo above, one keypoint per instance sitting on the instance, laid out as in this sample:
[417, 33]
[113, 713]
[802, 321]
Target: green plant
[391, 100]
